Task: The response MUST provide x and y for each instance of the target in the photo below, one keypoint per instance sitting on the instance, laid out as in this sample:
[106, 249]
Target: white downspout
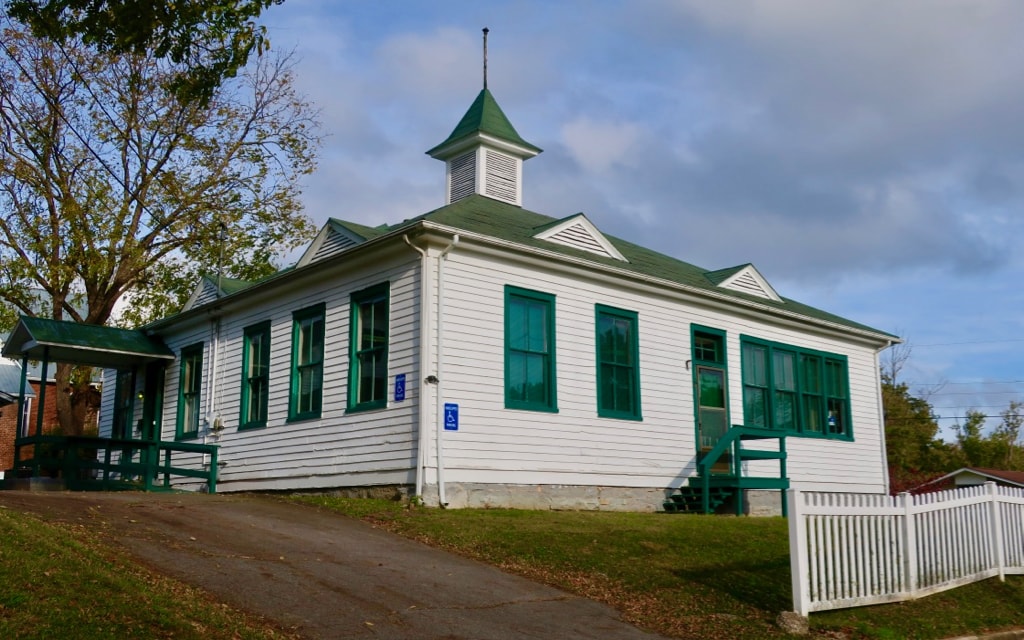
[440, 370]
[881, 418]
[212, 417]
[424, 359]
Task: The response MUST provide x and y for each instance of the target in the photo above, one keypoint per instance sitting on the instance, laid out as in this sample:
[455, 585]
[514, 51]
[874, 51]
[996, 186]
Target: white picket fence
[850, 550]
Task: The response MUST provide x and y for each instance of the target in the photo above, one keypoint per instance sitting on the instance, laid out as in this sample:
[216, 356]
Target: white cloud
[602, 146]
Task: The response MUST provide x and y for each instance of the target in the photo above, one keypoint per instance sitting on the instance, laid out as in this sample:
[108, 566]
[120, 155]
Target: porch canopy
[85, 344]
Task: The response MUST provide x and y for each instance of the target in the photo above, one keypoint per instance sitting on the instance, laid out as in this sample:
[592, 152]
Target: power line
[954, 344]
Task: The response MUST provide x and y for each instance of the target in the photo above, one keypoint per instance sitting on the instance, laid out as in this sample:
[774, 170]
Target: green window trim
[530, 372]
[255, 383]
[618, 363]
[369, 342]
[707, 345]
[190, 385]
[795, 390]
[306, 382]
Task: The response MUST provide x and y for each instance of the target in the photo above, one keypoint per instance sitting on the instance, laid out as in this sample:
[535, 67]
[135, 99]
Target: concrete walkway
[327, 576]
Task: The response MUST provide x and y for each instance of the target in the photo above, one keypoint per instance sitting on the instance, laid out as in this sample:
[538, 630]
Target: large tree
[111, 186]
[212, 39]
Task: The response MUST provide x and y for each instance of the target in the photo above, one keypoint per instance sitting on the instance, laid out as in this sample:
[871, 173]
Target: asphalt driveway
[324, 575]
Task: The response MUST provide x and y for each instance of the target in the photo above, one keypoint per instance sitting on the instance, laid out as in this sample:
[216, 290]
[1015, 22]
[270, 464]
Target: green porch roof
[485, 116]
[86, 344]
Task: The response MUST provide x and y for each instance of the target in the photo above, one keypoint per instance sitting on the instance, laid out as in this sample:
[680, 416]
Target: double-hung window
[190, 384]
[255, 376]
[529, 350]
[796, 390]
[368, 349]
[618, 366]
[307, 378]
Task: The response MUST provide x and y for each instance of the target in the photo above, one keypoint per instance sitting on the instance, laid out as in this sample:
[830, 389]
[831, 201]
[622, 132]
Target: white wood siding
[339, 448]
[575, 446]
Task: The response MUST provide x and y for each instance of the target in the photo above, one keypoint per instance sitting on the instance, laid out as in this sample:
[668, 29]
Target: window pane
[538, 322]
[785, 411]
[536, 378]
[835, 378]
[784, 370]
[755, 365]
[811, 382]
[836, 416]
[813, 419]
[755, 407]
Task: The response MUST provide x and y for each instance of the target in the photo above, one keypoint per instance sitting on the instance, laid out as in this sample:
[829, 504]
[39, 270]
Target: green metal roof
[94, 345]
[499, 220]
[486, 216]
[485, 116]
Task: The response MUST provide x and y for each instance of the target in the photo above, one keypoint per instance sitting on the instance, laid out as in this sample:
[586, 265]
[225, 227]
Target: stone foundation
[547, 497]
[762, 503]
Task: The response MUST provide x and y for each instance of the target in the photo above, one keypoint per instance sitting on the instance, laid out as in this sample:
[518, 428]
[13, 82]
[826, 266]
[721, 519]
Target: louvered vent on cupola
[462, 176]
[501, 176]
[333, 244]
[745, 279]
[579, 233]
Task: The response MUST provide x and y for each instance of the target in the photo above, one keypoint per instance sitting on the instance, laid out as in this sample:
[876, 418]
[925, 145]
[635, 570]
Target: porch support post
[21, 428]
[42, 392]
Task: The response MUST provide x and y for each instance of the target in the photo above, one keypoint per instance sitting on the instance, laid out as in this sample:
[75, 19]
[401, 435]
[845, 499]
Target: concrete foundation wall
[759, 502]
[551, 497]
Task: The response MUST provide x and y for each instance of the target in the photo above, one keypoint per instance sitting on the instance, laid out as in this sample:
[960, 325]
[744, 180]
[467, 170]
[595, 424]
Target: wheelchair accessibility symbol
[451, 416]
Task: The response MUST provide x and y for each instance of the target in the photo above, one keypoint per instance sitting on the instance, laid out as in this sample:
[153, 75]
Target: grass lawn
[680, 575]
[60, 582]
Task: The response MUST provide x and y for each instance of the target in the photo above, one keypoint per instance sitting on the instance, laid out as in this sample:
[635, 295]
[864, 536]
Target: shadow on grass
[764, 585]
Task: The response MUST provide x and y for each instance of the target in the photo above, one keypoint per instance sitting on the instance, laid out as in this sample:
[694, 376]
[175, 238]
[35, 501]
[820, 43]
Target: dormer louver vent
[207, 293]
[745, 279]
[579, 233]
[333, 244]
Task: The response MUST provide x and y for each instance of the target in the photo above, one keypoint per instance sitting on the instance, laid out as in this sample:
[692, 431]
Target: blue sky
[866, 156]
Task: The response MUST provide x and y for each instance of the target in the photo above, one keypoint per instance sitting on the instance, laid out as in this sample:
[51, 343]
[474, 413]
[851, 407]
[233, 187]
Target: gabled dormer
[213, 288]
[578, 232]
[484, 154]
[745, 279]
[336, 236]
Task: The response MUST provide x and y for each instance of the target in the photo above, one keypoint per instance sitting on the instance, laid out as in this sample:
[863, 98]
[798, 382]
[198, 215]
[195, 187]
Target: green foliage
[111, 186]
[910, 429]
[211, 40]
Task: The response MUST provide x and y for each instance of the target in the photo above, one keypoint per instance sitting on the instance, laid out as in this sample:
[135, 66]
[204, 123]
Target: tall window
[307, 379]
[618, 368]
[190, 382]
[368, 349]
[255, 376]
[795, 390]
[529, 350]
[124, 405]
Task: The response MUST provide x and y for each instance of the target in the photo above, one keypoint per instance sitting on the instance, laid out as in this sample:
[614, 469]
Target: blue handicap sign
[451, 416]
[399, 387]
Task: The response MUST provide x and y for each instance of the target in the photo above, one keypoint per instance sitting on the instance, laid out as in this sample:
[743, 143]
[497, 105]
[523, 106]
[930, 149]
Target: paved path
[324, 575]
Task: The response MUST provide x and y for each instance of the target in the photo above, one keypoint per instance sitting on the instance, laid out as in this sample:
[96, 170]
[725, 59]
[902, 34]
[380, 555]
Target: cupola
[485, 153]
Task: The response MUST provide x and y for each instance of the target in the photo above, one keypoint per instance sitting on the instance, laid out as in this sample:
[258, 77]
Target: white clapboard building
[485, 355]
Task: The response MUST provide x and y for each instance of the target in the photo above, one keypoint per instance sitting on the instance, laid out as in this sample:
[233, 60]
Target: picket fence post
[997, 529]
[798, 565]
[909, 543]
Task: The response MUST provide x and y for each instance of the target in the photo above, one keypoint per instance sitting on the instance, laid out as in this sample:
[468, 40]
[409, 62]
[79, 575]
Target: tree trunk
[74, 398]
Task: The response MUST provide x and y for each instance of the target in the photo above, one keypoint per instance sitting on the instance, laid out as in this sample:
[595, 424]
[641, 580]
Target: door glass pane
[712, 388]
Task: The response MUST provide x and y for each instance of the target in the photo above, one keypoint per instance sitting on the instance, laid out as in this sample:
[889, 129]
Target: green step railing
[732, 442]
[88, 463]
